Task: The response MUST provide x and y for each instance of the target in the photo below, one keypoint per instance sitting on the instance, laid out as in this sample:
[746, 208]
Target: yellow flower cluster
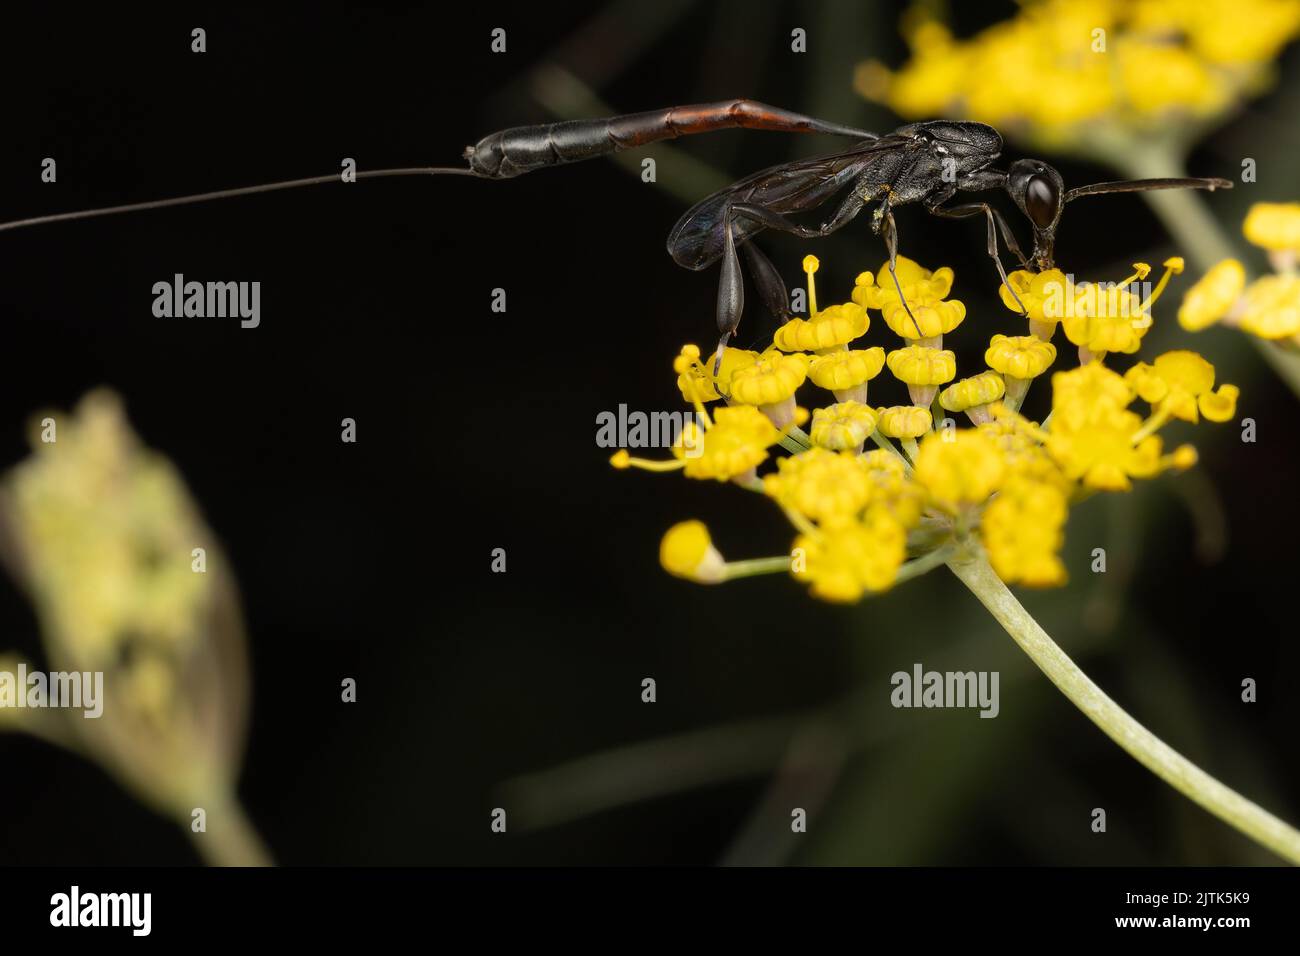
[932, 488]
[926, 316]
[1097, 318]
[1268, 307]
[1060, 69]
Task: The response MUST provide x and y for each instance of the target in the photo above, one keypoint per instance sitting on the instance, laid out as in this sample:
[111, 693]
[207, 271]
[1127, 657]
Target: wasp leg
[774, 220]
[1009, 239]
[845, 214]
[883, 220]
[974, 209]
[770, 285]
[731, 293]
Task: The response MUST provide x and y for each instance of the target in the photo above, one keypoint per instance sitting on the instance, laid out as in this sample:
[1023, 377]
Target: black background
[476, 432]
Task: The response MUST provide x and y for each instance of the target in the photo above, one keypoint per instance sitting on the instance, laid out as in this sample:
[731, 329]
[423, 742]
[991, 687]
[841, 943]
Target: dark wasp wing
[696, 241]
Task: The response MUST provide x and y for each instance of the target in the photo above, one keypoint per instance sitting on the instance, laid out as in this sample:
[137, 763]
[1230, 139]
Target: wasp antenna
[231, 193]
[1146, 185]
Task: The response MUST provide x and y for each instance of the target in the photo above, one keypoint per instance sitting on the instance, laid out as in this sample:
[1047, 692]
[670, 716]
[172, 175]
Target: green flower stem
[1184, 213]
[791, 445]
[1149, 750]
[231, 839]
[889, 446]
[1017, 392]
[781, 563]
[795, 440]
[926, 562]
[753, 566]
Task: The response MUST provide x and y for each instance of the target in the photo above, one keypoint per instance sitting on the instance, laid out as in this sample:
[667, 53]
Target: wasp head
[1039, 191]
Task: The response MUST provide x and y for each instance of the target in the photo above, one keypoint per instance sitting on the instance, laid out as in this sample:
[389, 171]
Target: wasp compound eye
[1042, 200]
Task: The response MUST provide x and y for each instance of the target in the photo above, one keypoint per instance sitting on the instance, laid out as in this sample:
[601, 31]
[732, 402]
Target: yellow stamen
[1152, 424]
[621, 460]
[1173, 266]
[810, 266]
[700, 412]
[1141, 271]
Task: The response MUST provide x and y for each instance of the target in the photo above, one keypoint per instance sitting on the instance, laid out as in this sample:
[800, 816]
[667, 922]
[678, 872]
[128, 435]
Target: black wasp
[928, 162]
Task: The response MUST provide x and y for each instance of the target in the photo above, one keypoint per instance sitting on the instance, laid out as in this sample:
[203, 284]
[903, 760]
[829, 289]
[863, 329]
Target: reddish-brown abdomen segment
[522, 149]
